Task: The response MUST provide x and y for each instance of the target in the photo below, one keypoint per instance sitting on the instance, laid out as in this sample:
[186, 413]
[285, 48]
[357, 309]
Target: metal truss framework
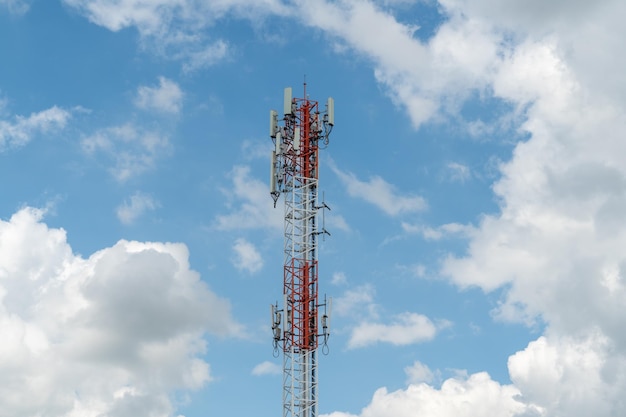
[294, 172]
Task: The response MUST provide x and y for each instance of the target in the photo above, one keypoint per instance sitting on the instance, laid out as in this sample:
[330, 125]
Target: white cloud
[158, 17]
[359, 307]
[148, 17]
[458, 172]
[22, 129]
[267, 368]
[425, 78]
[15, 6]
[167, 97]
[100, 335]
[572, 375]
[246, 256]
[380, 193]
[356, 302]
[339, 278]
[132, 149]
[336, 222]
[176, 29]
[406, 329]
[254, 207]
[475, 396]
[555, 245]
[139, 203]
[204, 56]
[440, 232]
[418, 373]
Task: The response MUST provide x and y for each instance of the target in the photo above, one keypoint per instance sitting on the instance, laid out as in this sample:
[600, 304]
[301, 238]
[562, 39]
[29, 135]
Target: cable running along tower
[298, 328]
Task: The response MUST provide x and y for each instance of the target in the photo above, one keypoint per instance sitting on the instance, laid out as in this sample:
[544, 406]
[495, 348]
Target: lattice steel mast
[298, 138]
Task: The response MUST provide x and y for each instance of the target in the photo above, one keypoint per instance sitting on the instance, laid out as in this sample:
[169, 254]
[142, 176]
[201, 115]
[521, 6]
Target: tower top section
[297, 137]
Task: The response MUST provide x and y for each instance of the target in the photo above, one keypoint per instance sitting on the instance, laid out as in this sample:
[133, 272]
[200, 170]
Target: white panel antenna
[288, 99]
[296, 139]
[273, 123]
[330, 104]
[278, 143]
[273, 174]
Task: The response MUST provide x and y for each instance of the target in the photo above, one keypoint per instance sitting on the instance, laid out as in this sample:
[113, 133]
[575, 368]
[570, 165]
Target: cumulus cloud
[418, 373]
[571, 375]
[246, 257]
[21, 130]
[266, 368]
[167, 97]
[101, 335]
[380, 193]
[337, 222]
[366, 323]
[250, 203]
[339, 278]
[130, 210]
[355, 301]
[406, 329]
[555, 243]
[475, 396]
[429, 78]
[132, 150]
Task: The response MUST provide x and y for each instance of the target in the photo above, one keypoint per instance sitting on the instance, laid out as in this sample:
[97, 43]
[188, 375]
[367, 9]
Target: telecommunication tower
[298, 328]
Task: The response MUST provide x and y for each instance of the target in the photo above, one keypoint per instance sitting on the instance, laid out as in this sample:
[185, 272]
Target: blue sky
[475, 175]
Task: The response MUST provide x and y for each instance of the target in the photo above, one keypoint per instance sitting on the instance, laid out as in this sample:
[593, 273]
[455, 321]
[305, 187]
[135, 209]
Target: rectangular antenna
[279, 149]
[273, 173]
[288, 99]
[273, 123]
[330, 104]
[296, 139]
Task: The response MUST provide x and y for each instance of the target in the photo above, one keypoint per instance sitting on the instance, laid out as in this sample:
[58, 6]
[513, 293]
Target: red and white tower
[298, 325]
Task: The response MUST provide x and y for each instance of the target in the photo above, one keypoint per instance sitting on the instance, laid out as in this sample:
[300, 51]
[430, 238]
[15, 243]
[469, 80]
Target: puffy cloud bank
[555, 248]
[114, 334]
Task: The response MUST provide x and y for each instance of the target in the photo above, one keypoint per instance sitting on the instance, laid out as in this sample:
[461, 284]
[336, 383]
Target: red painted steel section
[301, 271]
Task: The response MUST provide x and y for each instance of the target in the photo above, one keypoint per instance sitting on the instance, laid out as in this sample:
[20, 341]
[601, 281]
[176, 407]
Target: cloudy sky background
[475, 173]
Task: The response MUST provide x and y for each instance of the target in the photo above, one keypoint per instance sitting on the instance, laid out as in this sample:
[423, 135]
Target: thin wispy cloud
[135, 206]
[130, 149]
[21, 130]
[250, 202]
[380, 193]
